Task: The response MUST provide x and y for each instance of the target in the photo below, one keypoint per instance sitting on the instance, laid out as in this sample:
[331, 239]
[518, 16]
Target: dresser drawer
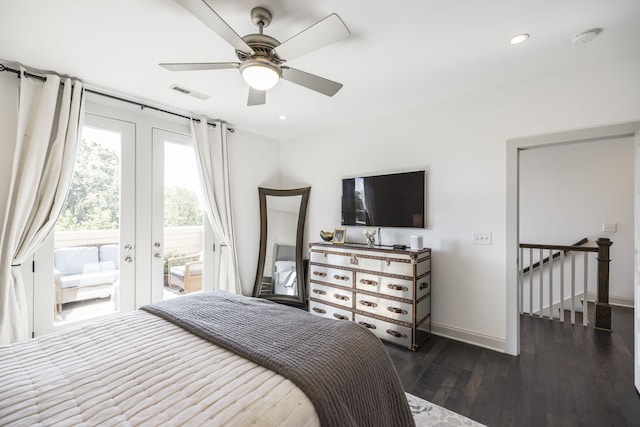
[386, 330]
[389, 265]
[324, 310]
[400, 288]
[332, 258]
[330, 294]
[395, 310]
[334, 276]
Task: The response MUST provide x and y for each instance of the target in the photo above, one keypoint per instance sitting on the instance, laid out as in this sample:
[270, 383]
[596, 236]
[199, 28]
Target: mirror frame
[301, 299]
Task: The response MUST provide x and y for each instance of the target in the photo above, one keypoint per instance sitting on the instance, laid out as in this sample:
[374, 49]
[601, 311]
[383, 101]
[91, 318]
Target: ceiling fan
[261, 56]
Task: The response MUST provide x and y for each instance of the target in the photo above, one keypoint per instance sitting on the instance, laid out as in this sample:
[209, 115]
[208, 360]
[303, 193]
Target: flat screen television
[390, 200]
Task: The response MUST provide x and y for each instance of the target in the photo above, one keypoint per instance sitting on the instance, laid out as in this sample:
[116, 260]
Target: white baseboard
[621, 301]
[499, 344]
[469, 337]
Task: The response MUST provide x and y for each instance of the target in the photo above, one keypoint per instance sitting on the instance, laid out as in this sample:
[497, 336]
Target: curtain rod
[106, 95]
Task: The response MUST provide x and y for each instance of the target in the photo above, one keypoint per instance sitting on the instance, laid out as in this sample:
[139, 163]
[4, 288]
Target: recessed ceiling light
[519, 38]
[282, 117]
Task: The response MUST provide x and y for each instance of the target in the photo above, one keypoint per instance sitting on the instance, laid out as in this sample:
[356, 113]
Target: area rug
[427, 414]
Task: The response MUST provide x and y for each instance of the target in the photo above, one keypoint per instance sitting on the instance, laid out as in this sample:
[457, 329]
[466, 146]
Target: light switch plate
[610, 228]
[481, 238]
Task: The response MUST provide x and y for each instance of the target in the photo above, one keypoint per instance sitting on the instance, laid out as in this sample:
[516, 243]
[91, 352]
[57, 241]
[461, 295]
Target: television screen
[391, 200]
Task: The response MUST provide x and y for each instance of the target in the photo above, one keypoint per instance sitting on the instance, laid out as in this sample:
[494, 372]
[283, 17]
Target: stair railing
[555, 261]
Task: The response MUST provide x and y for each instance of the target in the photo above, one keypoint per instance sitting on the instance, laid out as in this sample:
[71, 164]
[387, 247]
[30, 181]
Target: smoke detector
[586, 37]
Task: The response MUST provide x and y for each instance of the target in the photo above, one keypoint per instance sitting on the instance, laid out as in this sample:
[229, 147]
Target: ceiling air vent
[189, 92]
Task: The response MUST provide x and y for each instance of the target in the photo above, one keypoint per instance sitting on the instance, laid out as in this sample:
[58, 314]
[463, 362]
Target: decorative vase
[371, 241]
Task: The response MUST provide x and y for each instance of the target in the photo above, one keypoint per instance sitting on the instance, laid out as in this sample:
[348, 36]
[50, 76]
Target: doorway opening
[514, 148]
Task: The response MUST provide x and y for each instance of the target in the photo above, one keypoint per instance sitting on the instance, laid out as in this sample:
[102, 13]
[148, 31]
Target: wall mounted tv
[390, 200]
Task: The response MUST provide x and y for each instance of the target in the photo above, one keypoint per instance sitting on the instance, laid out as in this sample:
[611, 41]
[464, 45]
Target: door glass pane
[183, 216]
[87, 234]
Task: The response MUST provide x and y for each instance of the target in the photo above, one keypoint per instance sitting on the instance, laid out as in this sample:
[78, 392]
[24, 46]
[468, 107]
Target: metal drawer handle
[319, 292]
[340, 316]
[368, 303]
[367, 325]
[396, 333]
[319, 273]
[319, 310]
[338, 277]
[341, 297]
[397, 310]
[368, 282]
[424, 285]
[398, 288]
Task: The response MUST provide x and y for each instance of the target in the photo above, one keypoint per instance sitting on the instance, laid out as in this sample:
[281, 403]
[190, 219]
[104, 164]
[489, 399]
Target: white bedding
[140, 370]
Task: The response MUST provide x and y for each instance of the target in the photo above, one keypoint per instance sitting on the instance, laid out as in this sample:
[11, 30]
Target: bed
[203, 359]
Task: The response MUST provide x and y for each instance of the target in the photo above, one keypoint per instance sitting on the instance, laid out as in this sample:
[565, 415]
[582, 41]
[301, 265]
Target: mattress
[140, 370]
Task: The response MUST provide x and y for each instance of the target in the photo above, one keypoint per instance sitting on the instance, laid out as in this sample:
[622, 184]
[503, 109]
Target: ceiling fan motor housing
[262, 46]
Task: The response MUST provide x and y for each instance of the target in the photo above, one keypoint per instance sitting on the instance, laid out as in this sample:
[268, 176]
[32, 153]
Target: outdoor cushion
[109, 257]
[76, 260]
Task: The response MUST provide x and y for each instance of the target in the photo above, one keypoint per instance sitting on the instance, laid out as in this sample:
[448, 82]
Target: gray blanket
[342, 367]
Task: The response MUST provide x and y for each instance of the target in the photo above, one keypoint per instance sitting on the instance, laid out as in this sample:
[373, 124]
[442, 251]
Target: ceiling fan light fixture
[260, 75]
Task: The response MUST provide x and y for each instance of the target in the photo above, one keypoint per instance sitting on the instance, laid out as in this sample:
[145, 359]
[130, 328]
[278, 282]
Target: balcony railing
[185, 240]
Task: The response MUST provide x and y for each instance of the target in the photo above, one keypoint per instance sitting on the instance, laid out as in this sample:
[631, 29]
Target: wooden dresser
[383, 289]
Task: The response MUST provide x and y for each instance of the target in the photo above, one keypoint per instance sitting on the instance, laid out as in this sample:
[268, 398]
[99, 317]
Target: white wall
[462, 143]
[253, 162]
[568, 191]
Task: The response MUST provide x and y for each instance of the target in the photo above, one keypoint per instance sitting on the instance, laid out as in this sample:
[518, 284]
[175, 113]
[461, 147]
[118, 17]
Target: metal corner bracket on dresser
[385, 290]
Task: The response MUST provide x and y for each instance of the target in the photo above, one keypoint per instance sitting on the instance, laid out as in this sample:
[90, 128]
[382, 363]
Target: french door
[90, 258]
[132, 229]
[178, 226]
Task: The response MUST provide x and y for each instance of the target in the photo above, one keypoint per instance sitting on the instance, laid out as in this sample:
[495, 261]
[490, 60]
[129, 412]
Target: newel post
[603, 308]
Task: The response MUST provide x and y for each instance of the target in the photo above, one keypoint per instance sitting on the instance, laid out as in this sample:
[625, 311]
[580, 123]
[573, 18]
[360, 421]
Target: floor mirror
[280, 272]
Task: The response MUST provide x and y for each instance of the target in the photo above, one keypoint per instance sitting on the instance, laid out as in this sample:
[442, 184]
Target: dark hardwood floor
[566, 375]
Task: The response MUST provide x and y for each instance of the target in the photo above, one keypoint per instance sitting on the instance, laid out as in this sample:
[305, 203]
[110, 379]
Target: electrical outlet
[609, 228]
[481, 238]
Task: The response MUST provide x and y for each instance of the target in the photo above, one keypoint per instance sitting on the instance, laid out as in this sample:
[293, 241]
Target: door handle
[128, 259]
[157, 255]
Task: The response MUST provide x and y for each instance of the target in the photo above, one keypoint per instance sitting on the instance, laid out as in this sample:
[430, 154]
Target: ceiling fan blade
[311, 81]
[202, 10]
[330, 30]
[256, 97]
[195, 66]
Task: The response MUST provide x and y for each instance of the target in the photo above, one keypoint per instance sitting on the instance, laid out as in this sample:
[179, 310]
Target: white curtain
[213, 165]
[49, 119]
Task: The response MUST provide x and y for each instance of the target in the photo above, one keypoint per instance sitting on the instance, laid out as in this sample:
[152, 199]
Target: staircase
[554, 282]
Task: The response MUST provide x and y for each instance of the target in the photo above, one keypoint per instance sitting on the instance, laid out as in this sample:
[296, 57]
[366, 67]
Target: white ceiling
[398, 57]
